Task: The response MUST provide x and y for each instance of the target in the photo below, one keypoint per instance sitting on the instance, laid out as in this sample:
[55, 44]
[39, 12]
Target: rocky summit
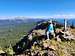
[37, 44]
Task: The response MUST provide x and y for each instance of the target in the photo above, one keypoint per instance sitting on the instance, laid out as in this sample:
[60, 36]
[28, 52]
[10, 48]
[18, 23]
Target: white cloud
[64, 16]
[67, 16]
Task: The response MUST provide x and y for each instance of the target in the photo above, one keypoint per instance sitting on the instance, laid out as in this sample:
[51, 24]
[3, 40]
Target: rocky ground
[51, 48]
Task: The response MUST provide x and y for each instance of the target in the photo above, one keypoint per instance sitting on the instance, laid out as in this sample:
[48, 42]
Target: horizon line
[43, 17]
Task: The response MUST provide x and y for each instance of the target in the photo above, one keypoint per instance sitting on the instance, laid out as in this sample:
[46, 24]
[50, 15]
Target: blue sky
[37, 8]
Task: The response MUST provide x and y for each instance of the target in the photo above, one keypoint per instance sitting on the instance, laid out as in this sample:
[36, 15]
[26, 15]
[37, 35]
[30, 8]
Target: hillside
[11, 31]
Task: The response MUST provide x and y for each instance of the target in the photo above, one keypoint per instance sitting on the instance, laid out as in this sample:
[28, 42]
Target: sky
[37, 8]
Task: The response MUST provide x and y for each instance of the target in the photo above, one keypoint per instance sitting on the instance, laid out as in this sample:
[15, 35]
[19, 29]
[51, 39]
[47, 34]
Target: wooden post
[65, 24]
